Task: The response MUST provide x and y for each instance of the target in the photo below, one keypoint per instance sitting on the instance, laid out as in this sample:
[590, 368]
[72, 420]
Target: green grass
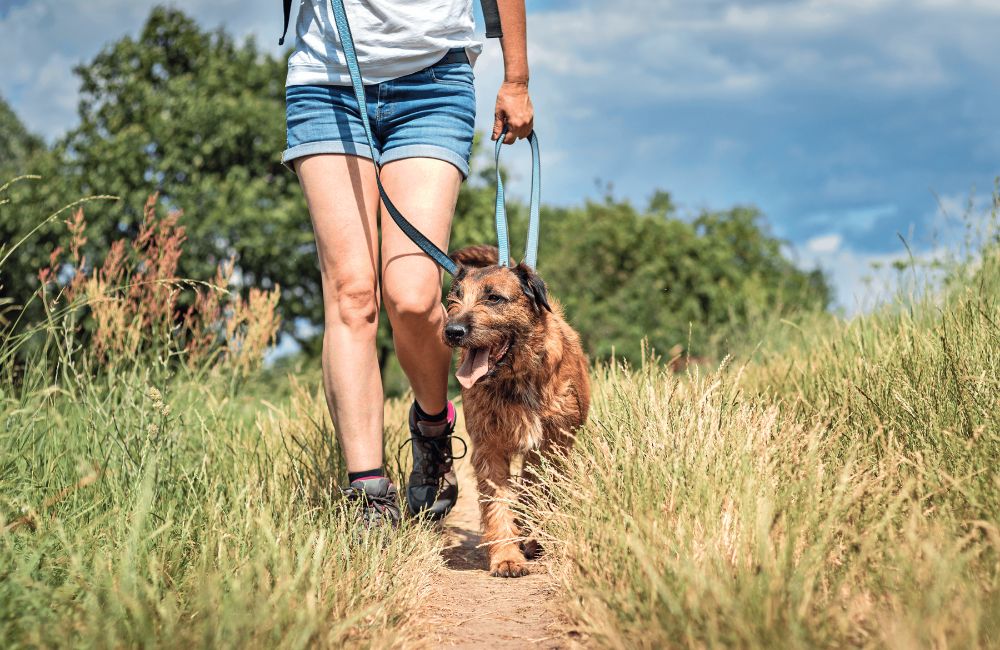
[840, 492]
[157, 488]
[212, 522]
[836, 488]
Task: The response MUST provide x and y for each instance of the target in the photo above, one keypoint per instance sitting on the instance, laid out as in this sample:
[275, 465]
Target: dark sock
[368, 473]
[424, 417]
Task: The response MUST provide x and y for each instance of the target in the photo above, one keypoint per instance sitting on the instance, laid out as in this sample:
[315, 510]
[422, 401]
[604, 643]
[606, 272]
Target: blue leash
[426, 245]
[503, 242]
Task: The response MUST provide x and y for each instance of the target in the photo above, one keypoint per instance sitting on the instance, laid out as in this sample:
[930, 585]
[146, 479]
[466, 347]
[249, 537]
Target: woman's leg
[343, 200]
[425, 191]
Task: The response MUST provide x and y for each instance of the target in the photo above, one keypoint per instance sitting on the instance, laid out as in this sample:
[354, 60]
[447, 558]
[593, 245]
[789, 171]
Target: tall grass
[147, 499]
[841, 492]
[840, 489]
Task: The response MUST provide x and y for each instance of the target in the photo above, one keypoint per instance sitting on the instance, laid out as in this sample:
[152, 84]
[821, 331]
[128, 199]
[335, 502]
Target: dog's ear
[533, 286]
[476, 256]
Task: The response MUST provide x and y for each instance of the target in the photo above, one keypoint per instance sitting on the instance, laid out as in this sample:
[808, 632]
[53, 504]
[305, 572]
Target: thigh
[343, 203]
[425, 190]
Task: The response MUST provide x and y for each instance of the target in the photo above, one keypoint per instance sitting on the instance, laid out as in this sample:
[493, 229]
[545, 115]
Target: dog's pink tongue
[476, 364]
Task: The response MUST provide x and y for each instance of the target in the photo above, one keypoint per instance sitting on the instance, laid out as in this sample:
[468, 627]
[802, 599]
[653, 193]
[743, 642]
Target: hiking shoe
[433, 487]
[378, 502]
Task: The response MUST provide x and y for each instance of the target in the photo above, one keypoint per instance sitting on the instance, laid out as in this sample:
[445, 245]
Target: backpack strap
[491, 16]
[288, 11]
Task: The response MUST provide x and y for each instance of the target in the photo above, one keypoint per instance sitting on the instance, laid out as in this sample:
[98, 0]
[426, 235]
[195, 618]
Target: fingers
[516, 129]
[498, 121]
[513, 109]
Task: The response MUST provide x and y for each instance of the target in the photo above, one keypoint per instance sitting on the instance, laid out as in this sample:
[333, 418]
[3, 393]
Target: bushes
[129, 309]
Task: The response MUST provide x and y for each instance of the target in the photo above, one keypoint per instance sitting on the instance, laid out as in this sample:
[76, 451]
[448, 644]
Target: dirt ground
[468, 608]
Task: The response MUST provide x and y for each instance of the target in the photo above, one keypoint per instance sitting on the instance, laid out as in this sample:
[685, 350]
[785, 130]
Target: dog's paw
[509, 569]
[532, 549]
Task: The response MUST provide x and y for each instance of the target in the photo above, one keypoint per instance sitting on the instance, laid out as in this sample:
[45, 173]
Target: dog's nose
[455, 332]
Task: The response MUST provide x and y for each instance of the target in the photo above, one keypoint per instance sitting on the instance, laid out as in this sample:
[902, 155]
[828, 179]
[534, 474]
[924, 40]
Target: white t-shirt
[393, 38]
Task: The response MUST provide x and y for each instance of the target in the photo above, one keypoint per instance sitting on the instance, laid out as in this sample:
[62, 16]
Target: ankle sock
[378, 472]
[430, 419]
[434, 425]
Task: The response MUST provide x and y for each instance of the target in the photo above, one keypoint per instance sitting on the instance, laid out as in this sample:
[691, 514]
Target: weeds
[840, 491]
[144, 500]
[837, 490]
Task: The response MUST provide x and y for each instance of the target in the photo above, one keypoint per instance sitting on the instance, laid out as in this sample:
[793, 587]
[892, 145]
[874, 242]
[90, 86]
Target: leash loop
[503, 240]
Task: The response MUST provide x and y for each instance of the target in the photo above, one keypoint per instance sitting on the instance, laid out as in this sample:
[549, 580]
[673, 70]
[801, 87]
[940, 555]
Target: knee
[413, 304]
[355, 306]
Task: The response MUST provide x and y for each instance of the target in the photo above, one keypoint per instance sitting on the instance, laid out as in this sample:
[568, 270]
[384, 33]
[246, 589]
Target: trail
[469, 608]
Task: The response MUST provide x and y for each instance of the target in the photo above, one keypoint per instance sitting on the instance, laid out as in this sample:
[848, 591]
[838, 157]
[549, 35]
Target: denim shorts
[427, 114]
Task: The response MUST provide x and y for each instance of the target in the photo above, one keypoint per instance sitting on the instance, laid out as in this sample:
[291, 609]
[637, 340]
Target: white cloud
[824, 244]
[44, 39]
[610, 80]
[627, 53]
[644, 49]
[863, 281]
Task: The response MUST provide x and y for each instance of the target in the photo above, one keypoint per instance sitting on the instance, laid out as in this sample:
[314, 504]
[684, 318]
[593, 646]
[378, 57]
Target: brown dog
[524, 381]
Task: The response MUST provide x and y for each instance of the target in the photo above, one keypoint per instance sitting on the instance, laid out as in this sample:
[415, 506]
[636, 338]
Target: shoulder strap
[288, 11]
[491, 16]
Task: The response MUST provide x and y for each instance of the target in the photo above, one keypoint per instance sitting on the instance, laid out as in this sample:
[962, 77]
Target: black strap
[288, 11]
[351, 58]
[491, 16]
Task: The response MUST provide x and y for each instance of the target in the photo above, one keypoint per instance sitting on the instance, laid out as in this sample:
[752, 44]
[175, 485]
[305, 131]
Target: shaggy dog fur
[525, 386]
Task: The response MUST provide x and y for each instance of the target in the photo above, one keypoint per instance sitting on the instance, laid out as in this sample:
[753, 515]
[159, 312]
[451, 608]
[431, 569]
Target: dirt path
[468, 608]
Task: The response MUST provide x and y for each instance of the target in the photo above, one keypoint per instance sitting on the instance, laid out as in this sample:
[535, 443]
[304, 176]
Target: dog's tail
[476, 256]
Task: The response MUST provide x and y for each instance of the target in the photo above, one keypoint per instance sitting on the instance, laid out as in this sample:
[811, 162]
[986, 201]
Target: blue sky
[845, 121]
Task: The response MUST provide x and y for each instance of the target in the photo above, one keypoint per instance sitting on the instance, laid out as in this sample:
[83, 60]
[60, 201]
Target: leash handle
[503, 239]
[418, 238]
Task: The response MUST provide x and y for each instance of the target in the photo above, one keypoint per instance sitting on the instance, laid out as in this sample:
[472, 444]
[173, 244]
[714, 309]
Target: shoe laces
[372, 503]
[438, 454]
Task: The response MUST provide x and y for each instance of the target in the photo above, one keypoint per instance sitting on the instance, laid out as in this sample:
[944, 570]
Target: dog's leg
[496, 496]
[530, 485]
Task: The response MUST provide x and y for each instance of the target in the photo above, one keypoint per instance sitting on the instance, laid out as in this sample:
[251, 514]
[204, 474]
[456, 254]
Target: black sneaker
[433, 487]
[378, 502]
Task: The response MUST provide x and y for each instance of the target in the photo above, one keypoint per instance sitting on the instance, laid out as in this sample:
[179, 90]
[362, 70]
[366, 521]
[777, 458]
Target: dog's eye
[494, 299]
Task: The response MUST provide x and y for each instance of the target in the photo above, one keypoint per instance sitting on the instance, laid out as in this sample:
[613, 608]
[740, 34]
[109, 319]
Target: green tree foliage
[624, 275]
[17, 145]
[199, 118]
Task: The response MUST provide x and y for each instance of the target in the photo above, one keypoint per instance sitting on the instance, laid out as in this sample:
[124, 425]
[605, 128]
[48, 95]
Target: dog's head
[492, 310]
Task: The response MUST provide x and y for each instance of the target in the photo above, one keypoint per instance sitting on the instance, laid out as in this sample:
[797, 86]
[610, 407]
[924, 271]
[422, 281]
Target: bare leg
[425, 190]
[343, 200]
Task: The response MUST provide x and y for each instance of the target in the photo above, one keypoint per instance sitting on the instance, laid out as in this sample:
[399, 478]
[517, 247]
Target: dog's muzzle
[455, 332]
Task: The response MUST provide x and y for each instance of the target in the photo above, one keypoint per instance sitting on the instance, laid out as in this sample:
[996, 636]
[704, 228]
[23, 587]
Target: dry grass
[842, 492]
[157, 490]
[150, 497]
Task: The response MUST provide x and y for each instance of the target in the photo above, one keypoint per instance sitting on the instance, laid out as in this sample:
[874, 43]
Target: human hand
[515, 110]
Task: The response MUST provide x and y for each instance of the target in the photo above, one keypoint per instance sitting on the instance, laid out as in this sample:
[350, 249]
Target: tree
[198, 118]
[623, 276]
[17, 145]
